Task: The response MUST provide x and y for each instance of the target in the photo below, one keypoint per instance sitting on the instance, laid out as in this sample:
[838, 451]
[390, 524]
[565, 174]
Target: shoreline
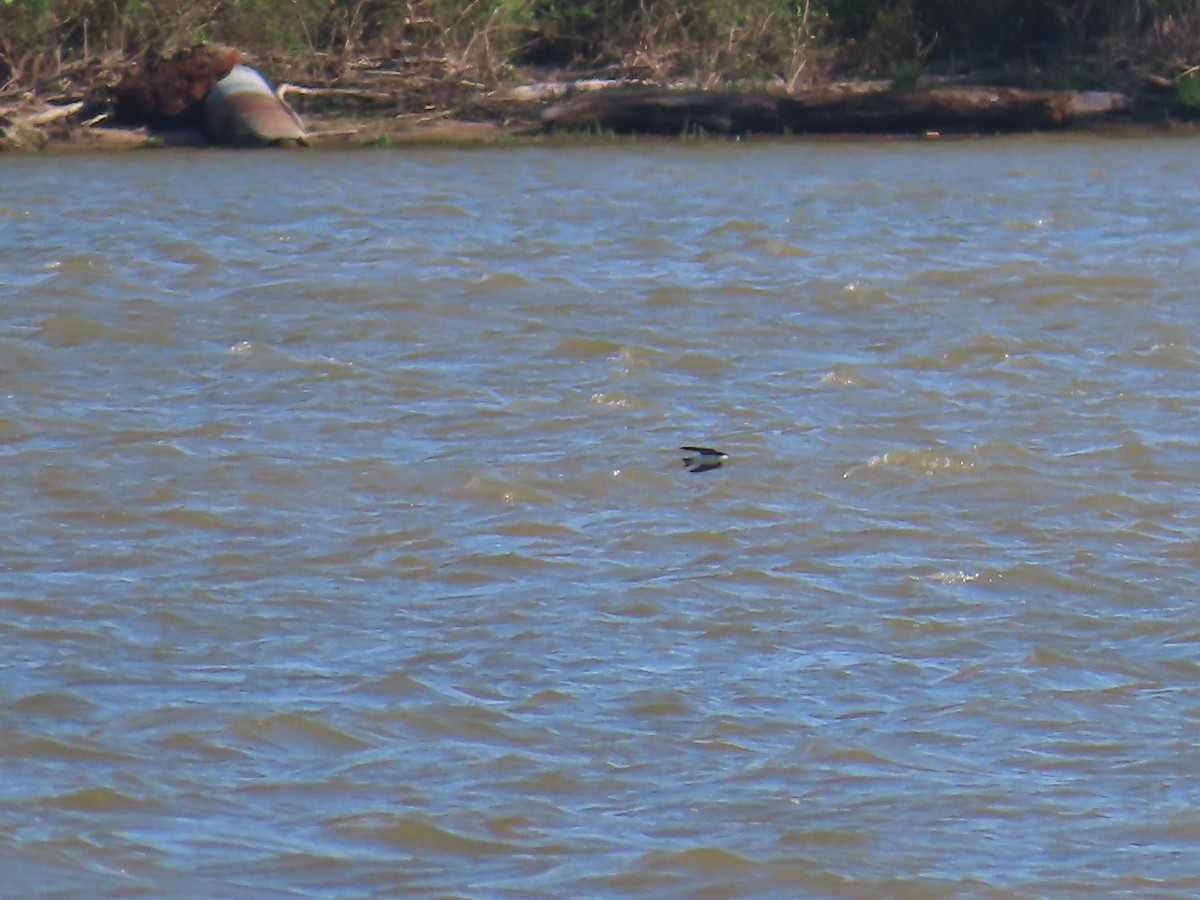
[383, 107]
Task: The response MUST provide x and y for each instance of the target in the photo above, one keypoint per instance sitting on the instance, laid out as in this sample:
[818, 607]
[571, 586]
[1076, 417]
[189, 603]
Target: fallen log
[958, 109]
[953, 109]
[640, 110]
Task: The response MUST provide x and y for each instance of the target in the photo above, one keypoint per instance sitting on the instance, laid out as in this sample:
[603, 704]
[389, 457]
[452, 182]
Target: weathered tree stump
[167, 92]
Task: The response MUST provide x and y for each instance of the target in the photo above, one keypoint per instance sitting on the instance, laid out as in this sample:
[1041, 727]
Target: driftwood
[666, 111]
[951, 109]
[335, 95]
[52, 114]
[970, 109]
[24, 127]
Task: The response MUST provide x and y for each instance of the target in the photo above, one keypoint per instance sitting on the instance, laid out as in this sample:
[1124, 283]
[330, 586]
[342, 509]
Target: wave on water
[350, 548]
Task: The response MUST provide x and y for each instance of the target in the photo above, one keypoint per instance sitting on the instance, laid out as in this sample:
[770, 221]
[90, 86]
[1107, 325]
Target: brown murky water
[348, 550]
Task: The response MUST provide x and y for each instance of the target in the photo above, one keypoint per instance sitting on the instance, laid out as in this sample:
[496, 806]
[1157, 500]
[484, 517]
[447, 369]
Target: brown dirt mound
[167, 92]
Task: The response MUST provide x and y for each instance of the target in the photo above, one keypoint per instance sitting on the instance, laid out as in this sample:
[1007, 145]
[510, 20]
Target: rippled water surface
[348, 550]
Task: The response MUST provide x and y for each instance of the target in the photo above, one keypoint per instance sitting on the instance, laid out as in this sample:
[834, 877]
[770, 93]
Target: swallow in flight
[704, 458]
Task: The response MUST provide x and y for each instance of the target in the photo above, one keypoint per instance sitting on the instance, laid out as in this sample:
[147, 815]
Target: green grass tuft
[1187, 91]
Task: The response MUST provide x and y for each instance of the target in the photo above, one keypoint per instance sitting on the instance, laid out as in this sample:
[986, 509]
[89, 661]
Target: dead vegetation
[366, 67]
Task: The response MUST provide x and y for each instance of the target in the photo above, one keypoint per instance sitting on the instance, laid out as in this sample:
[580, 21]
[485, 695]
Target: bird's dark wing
[705, 459]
